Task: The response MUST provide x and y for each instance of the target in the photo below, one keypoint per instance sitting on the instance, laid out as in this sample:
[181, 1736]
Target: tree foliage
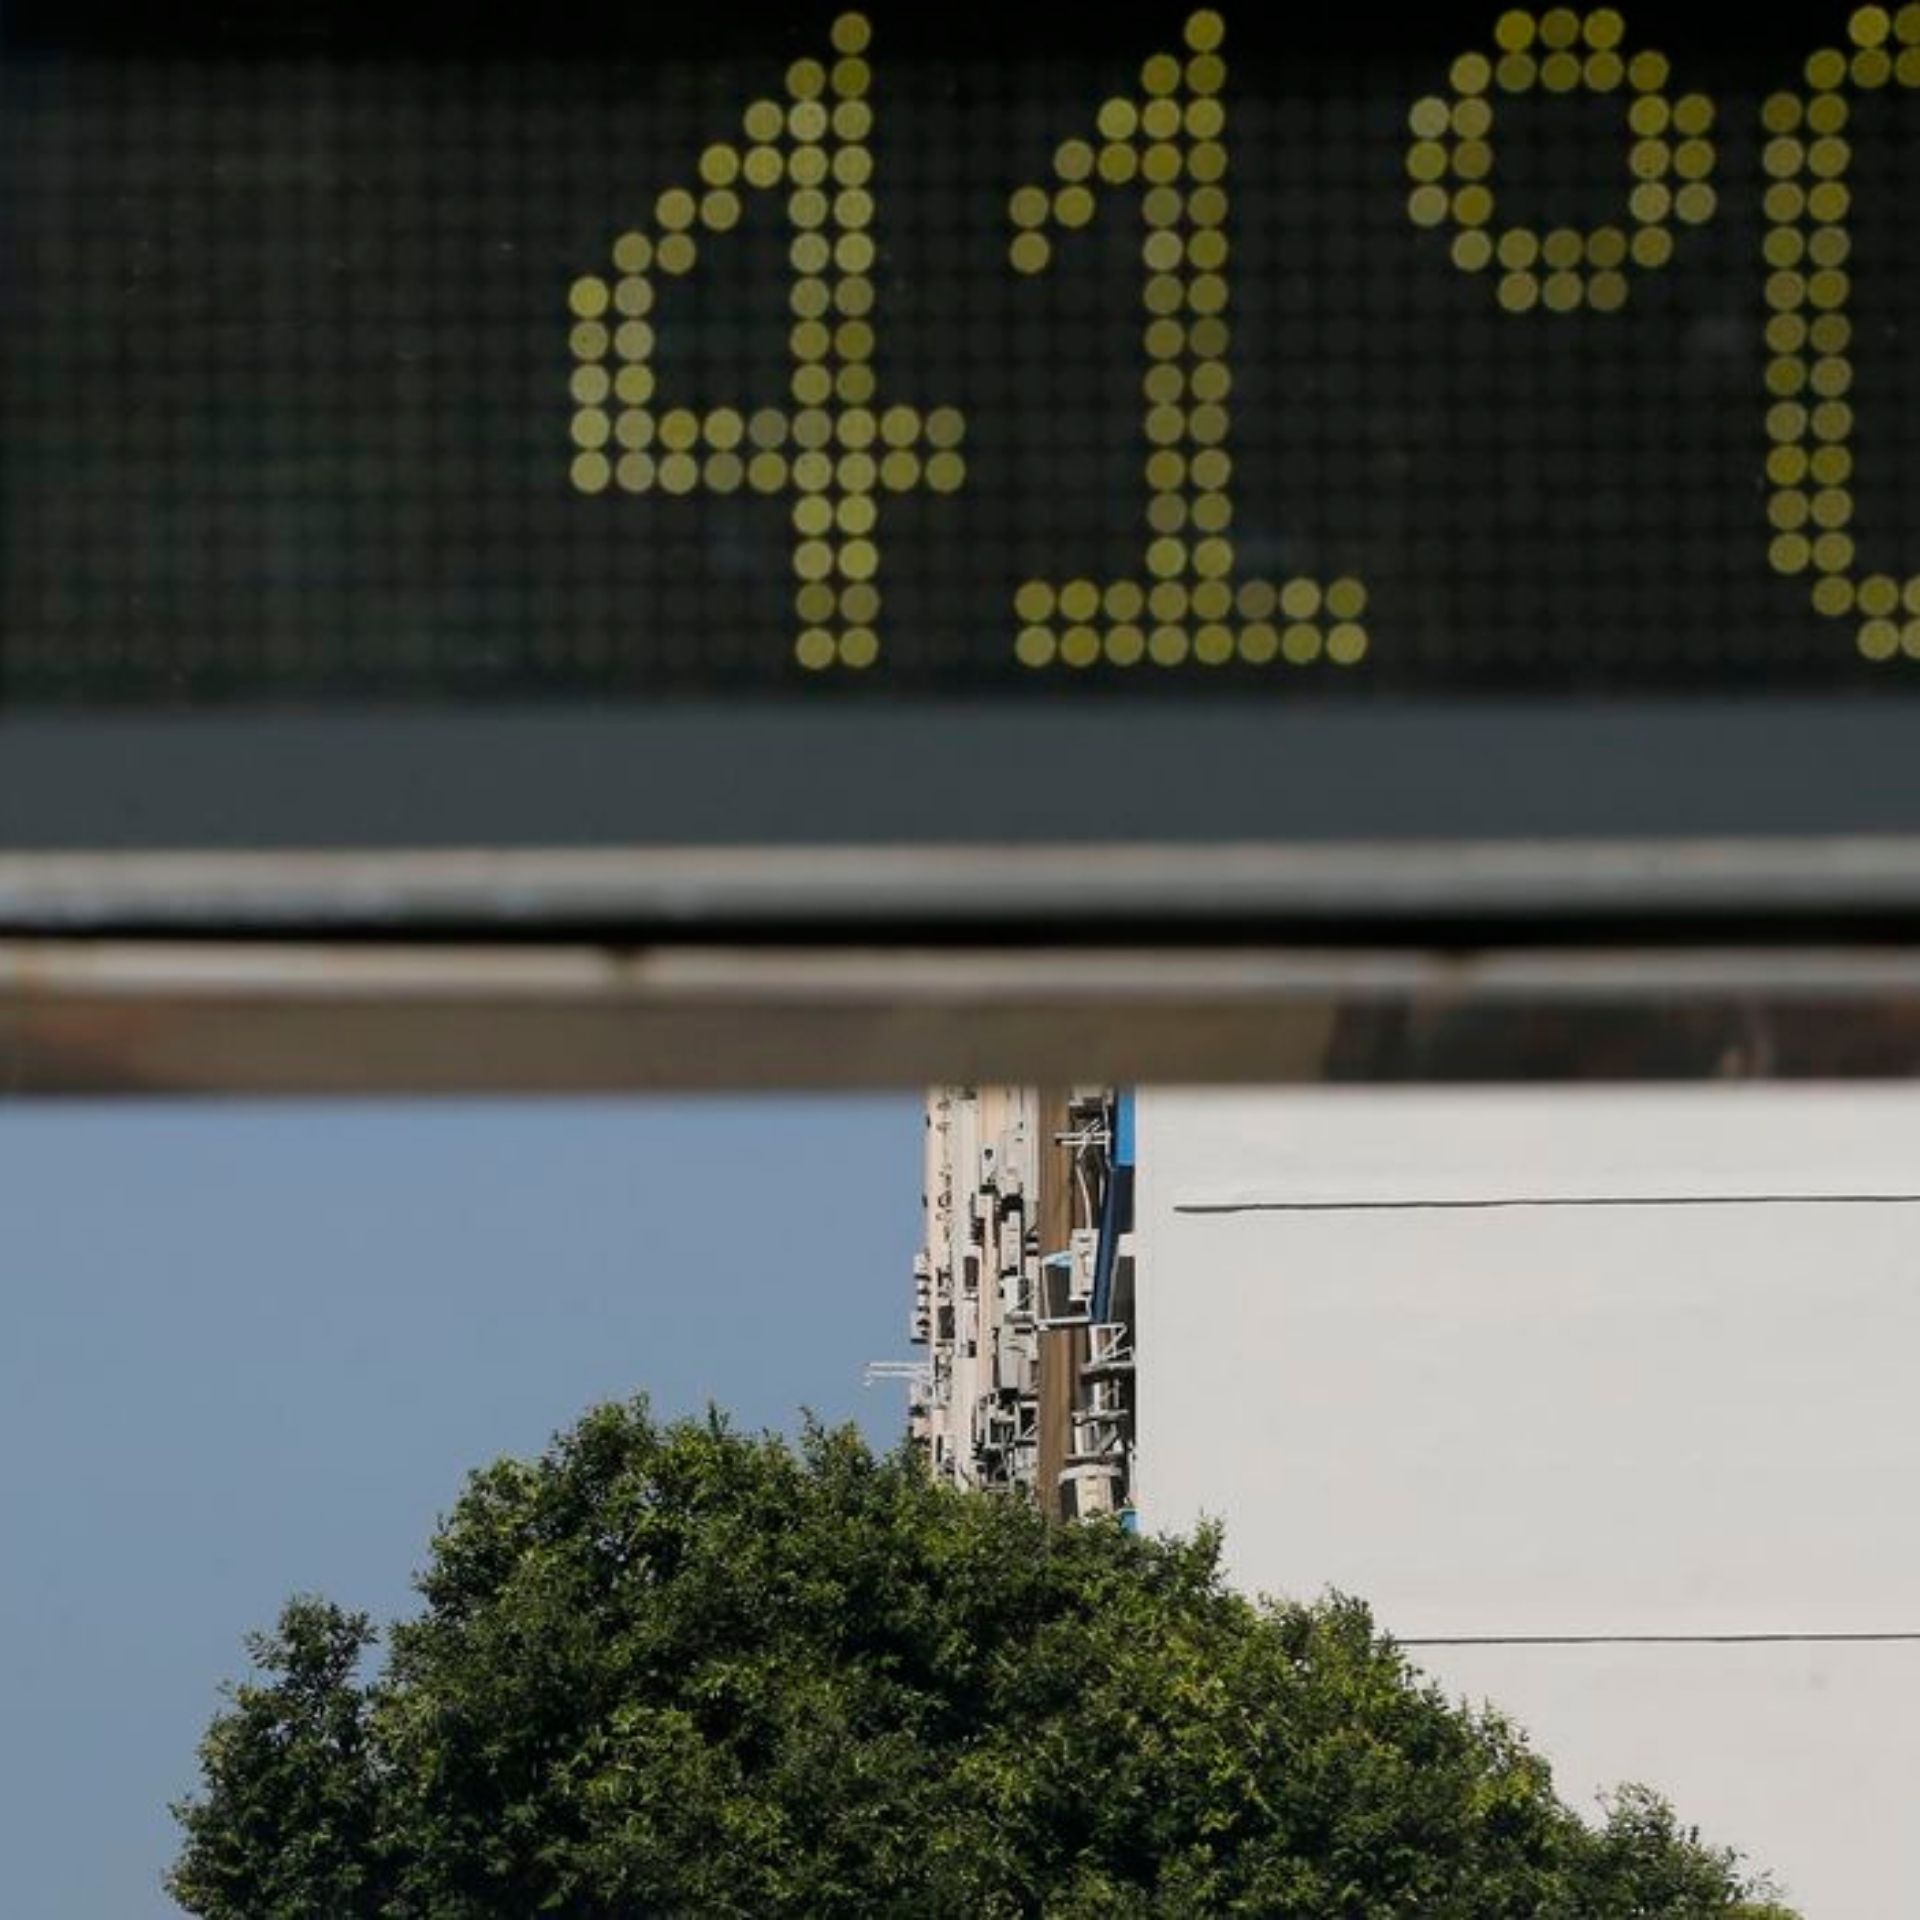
[675, 1670]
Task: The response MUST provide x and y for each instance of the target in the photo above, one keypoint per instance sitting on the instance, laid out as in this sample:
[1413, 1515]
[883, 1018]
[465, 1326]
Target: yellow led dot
[1073, 206]
[1471, 118]
[1607, 291]
[1160, 74]
[1347, 646]
[851, 78]
[1212, 599]
[1301, 644]
[1787, 510]
[1035, 647]
[591, 472]
[1034, 602]
[1514, 30]
[1161, 164]
[1878, 595]
[1472, 160]
[767, 473]
[946, 473]
[1652, 247]
[633, 253]
[1073, 160]
[1693, 159]
[1472, 252]
[813, 559]
[1603, 72]
[1126, 645]
[1910, 594]
[812, 515]
[1563, 247]
[859, 648]
[1790, 553]
[676, 253]
[1516, 72]
[900, 471]
[1833, 553]
[1519, 247]
[1786, 422]
[815, 602]
[679, 473]
[1300, 599]
[1162, 120]
[1206, 31]
[1473, 206]
[1832, 596]
[675, 209]
[1826, 70]
[1647, 72]
[1603, 28]
[589, 340]
[1879, 639]
[589, 386]
[1213, 559]
[1649, 159]
[589, 297]
[1694, 203]
[1871, 69]
[634, 297]
[634, 473]
[1560, 72]
[806, 79]
[1119, 162]
[1906, 67]
[1559, 27]
[1030, 253]
[852, 33]
[1205, 119]
[1869, 26]
[1080, 647]
[1117, 120]
[1519, 292]
[1168, 646]
[815, 649]
[1167, 601]
[1471, 73]
[1428, 119]
[1259, 643]
[1207, 207]
[1079, 601]
[1906, 26]
[1165, 558]
[1346, 599]
[1213, 645]
[856, 473]
[1829, 201]
[1426, 160]
[1206, 73]
[723, 472]
[808, 167]
[1828, 113]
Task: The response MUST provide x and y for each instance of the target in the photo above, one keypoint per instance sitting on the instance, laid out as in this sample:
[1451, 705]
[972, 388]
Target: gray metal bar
[655, 890]
[112, 1017]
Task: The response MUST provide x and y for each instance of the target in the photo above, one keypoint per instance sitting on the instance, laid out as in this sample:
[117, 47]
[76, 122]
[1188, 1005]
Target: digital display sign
[356, 354]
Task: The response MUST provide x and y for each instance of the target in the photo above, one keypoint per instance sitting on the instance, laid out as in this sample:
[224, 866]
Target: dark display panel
[359, 354]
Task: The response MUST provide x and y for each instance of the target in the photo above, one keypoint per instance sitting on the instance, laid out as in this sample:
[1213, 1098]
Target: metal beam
[270, 1019]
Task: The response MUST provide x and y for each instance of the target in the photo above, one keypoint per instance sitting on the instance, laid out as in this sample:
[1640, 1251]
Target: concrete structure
[1605, 1400]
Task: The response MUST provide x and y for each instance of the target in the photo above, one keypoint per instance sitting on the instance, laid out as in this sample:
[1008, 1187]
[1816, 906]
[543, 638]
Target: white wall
[1597, 1365]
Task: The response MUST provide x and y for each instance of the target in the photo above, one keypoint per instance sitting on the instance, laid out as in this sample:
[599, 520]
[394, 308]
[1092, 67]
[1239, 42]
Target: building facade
[1604, 1399]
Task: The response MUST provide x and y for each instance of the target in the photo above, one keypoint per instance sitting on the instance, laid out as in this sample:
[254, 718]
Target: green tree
[676, 1670]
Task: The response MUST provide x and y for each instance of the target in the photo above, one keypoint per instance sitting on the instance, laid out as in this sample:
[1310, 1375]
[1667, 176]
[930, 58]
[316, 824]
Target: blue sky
[247, 1350]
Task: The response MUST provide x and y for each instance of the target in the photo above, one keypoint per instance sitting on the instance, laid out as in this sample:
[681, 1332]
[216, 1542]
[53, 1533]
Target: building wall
[1604, 1399]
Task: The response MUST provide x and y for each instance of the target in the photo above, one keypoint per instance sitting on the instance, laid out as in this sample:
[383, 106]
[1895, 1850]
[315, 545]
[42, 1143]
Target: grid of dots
[1169, 146]
[1810, 375]
[837, 449]
[1671, 159]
